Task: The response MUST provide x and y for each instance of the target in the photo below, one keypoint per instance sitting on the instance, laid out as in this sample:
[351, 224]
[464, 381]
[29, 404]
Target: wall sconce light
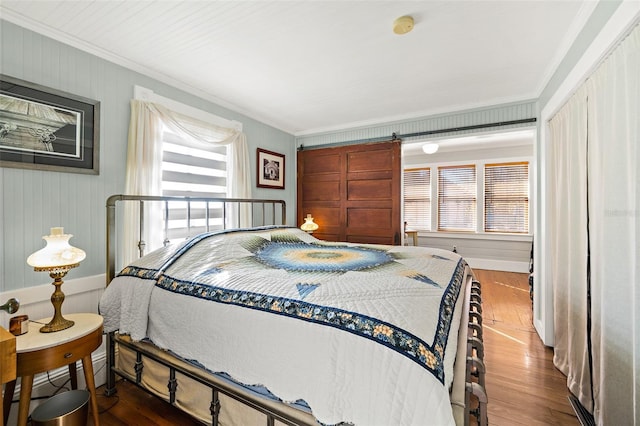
[11, 306]
[57, 258]
[308, 225]
[430, 148]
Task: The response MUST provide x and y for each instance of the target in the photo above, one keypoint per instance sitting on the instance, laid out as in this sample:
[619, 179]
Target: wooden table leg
[73, 374]
[87, 366]
[9, 388]
[26, 383]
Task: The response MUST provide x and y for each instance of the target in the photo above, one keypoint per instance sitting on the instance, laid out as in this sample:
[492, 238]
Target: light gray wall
[510, 255]
[498, 154]
[34, 201]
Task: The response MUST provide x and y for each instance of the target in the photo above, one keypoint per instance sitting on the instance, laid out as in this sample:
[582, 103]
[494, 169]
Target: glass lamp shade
[57, 258]
[309, 225]
[57, 253]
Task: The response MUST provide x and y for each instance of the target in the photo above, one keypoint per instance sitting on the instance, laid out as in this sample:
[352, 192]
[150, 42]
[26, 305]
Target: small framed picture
[270, 172]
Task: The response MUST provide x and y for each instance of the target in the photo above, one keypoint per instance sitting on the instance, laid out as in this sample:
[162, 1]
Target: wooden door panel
[373, 175]
[373, 160]
[373, 219]
[370, 239]
[322, 191]
[328, 220]
[322, 163]
[366, 190]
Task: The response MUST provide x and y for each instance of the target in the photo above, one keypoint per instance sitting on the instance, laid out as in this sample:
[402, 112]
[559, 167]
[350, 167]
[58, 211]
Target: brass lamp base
[57, 323]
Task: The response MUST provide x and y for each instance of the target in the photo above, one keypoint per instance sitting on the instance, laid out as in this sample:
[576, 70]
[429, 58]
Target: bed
[261, 323]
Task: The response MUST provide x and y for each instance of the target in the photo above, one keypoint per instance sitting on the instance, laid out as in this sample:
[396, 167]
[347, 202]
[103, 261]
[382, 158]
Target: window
[191, 168]
[479, 198]
[194, 169]
[417, 199]
[178, 152]
[457, 198]
[506, 198]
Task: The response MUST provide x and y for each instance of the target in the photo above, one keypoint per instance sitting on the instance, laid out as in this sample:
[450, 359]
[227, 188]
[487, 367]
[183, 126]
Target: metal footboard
[476, 394]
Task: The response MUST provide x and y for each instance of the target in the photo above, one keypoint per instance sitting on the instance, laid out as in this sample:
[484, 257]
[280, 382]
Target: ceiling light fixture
[430, 148]
[403, 25]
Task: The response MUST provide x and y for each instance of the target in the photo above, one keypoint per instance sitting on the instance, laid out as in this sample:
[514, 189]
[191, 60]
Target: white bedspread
[253, 310]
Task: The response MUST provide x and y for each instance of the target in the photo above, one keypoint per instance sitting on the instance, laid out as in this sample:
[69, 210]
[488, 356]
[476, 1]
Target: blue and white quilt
[363, 333]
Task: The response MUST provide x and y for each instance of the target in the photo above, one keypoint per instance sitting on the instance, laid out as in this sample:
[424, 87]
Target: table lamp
[309, 225]
[57, 257]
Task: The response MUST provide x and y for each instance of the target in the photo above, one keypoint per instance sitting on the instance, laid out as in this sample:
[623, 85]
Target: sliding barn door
[353, 192]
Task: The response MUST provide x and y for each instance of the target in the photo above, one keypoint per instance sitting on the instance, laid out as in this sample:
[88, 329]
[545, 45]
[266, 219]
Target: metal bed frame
[468, 395]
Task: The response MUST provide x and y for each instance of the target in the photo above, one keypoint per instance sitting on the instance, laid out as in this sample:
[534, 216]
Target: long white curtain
[568, 236]
[144, 159]
[614, 210]
[599, 124]
[143, 174]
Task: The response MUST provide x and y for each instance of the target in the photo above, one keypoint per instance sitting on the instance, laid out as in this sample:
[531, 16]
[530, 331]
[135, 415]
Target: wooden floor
[523, 386]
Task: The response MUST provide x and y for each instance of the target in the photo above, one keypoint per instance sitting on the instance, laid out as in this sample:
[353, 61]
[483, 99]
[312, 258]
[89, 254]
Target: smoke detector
[403, 25]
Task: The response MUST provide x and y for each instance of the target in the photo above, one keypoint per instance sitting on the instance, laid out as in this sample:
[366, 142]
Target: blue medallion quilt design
[281, 270]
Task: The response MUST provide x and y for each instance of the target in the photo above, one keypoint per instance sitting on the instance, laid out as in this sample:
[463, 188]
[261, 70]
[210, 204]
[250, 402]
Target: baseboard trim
[498, 265]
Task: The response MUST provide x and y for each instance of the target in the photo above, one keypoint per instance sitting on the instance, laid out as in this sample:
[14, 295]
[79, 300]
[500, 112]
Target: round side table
[38, 352]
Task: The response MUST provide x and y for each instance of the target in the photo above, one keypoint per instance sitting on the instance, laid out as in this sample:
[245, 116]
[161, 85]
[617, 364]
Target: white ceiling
[311, 66]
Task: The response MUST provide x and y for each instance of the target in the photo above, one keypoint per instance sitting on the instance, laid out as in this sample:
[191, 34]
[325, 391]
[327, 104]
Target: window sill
[477, 236]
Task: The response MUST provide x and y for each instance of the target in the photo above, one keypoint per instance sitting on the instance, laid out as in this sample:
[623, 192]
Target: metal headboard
[260, 212]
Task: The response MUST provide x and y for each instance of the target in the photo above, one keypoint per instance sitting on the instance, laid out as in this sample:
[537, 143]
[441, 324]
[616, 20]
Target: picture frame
[47, 129]
[270, 169]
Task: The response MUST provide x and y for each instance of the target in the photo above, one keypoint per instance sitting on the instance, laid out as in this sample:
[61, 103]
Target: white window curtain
[568, 236]
[604, 113]
[614, 212]
[144, 158]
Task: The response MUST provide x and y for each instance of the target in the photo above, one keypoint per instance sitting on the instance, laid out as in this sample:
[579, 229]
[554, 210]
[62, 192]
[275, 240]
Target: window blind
[194, 169]
[417, 199]
[506, 197]
[457, 198]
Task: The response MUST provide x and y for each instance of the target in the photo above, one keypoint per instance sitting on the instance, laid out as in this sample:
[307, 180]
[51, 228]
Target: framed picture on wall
[47, 129]
[270, 172]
